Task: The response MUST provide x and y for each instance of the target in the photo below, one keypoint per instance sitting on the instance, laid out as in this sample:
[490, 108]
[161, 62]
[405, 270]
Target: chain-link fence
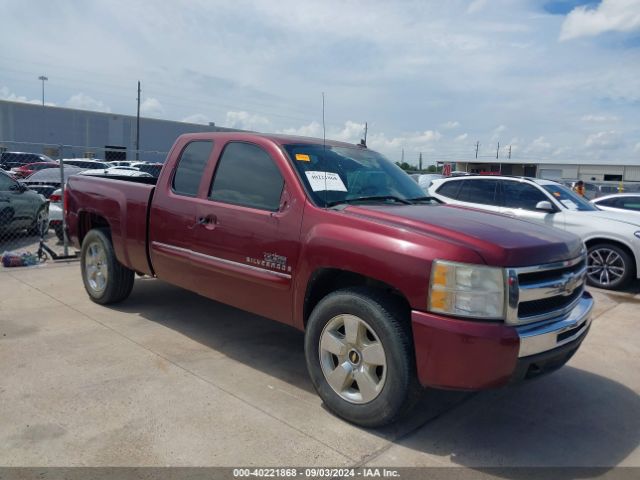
[33, 177]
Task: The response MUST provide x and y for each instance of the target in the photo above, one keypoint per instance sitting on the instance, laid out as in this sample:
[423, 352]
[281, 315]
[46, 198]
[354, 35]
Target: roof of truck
[277, 138]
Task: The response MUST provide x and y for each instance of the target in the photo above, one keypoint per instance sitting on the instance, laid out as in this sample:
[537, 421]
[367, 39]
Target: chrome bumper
[544, 336]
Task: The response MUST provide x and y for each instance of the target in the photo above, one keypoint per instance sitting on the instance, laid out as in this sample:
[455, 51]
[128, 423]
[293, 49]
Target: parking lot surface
[171, 378]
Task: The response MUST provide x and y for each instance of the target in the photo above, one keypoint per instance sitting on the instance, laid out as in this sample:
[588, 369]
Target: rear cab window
[191, 165]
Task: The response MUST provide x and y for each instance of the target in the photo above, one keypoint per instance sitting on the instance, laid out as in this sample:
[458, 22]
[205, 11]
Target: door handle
[209, 220]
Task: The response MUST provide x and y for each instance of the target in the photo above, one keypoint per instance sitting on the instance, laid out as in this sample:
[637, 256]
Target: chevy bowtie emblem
[571, 282]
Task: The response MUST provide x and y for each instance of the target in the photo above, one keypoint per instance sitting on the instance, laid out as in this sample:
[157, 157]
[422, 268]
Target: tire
[59, 232]
[609, 267]
[105, 279]
[370, 392]
[39, 223]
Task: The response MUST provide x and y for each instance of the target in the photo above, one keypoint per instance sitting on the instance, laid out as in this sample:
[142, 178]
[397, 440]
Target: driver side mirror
[545, 206]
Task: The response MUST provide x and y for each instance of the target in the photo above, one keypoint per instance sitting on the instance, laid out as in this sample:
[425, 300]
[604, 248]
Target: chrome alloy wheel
[605, 266]
[352, 359]
[95, 267]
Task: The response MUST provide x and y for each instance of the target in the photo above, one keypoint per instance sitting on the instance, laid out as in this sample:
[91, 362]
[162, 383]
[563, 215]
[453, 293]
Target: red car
[25, 170]
[393, 290]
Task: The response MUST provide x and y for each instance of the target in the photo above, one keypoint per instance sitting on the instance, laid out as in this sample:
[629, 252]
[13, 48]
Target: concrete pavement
[171, 378]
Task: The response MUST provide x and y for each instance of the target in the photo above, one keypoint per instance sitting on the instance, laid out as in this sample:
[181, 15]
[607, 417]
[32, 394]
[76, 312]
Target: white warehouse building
[587, 171]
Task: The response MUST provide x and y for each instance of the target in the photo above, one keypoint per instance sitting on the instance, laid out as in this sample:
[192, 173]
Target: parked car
[120, 163]
[425, 179]
[9, 160]
[392, 289]
[152, 169]
[20, 208]
[116, 172]
[86, 164]
[47, 181]
[620, 202]
[55, 213]
[612, 238]
[25, 170]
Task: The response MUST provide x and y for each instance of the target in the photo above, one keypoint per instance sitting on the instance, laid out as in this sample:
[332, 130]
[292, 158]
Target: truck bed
[124, 204]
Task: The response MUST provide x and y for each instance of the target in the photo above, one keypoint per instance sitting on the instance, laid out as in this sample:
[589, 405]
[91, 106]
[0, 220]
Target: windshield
[334, 175]
[569, 199]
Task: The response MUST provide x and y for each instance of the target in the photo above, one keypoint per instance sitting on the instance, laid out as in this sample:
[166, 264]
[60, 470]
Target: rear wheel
[360, 357]
[610, 267]
[105, 279]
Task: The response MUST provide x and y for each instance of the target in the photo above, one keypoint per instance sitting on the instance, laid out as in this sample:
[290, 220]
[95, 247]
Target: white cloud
[538, 146]
[605, 140]
[462, 137]
[247, 121]
[476, 6]
[196, 118]
[82, 101]
[451, 124]
[6, 94]
[608, 16]
[151, 107]
[313, 129]
[598, 118]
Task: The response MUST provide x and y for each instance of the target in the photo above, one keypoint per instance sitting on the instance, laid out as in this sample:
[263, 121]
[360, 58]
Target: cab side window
[521, 195]
[247, 176]
[450, 189]
[479, 191]
[191, 164]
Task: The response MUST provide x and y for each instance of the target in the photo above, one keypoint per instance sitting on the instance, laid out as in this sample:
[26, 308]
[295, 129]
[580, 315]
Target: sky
[548, 80]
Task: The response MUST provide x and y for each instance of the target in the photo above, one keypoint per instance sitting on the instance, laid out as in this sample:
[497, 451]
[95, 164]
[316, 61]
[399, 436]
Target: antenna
[363, 142]
[324, 131]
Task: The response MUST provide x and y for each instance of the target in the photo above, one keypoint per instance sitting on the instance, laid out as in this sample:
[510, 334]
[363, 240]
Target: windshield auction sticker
[325, 181]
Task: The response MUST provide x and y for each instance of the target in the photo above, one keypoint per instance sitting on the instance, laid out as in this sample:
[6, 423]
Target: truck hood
[500, 240]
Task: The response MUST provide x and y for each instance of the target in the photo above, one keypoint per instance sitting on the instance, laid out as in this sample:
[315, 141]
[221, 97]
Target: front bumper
[473, 355]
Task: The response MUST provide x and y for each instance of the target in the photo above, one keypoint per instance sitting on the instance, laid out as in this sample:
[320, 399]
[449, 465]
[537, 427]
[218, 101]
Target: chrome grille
[544, 291]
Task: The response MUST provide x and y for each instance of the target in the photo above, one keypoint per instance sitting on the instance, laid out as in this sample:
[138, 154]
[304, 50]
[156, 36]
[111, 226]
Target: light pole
[43, 78]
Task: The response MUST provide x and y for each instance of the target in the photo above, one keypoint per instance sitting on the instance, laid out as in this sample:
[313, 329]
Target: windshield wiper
[376, 198]
[424, 199]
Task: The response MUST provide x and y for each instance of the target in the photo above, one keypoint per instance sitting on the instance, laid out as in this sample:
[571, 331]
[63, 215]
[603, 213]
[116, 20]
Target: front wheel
[609, 267]
[360, 358]
[105, 279]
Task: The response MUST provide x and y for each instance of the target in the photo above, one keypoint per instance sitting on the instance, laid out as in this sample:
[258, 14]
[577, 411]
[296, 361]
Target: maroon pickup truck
[394, 291]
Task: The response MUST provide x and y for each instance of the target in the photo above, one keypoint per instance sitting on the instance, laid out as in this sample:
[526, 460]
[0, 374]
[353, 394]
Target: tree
[405, 166]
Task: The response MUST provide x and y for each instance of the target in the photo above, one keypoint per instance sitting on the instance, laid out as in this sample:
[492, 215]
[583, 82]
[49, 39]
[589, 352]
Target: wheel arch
[87, 221]
[324, 281]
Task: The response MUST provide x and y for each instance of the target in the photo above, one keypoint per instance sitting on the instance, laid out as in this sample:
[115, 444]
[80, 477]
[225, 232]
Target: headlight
[637, 234]
[466, 290]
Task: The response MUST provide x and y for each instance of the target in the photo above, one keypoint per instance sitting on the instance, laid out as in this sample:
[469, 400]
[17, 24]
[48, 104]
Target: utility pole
[420, 162]
[365, 132]
[498, 151]
[477, 146]
[43, 79]
[509, 152]
[138, 126]
[402, 157]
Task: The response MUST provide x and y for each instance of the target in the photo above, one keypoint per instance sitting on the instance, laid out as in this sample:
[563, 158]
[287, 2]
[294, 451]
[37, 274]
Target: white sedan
[621, 202]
